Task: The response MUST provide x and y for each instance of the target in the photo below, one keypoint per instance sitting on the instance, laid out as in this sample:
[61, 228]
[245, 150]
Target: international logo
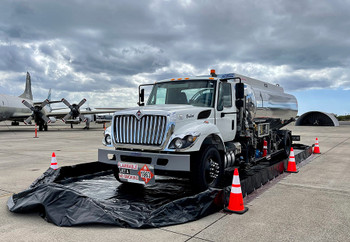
[138, 115]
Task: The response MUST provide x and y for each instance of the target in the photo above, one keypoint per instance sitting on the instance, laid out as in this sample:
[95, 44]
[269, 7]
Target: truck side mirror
[141, 97]
[239, 103]
[239, 90]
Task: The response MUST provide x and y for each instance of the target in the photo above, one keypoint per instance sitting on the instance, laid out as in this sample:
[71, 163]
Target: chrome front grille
[149, 130]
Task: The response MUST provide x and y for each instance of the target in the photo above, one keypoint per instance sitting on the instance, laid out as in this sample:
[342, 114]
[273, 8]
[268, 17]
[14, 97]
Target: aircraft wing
[50, 102]
[101, 111]
[61, 114]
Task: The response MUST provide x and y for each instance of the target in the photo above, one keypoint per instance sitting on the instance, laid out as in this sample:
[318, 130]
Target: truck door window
[225, 95]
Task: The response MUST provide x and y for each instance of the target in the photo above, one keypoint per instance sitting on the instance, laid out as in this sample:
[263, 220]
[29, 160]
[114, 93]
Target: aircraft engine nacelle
[52, 119]
[91, 117]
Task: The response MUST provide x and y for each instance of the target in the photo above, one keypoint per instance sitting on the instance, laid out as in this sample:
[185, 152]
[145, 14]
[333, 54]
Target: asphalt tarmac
[312, 205]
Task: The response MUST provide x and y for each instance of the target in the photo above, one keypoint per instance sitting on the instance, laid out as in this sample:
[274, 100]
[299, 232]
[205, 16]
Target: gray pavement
[312, 205]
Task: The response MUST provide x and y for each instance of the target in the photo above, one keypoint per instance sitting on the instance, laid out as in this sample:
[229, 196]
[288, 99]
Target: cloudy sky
[102, 50]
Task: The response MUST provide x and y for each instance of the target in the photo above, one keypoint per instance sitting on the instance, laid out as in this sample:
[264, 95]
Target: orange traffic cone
[264, 149]
[236, 198]
[291, 162]
[36, 132]
[317, 147]
[54, 161]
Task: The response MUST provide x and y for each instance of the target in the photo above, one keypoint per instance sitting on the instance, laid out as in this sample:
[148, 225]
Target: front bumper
[160, 161]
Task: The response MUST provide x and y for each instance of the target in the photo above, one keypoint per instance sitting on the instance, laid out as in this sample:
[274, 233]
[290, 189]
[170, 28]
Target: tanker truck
[200, 127]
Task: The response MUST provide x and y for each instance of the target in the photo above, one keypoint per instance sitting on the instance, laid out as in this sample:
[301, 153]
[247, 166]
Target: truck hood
[176, 113]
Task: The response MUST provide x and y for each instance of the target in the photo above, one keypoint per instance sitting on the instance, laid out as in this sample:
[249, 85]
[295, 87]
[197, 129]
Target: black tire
[202, 177]
[45, 127]
[287, 143]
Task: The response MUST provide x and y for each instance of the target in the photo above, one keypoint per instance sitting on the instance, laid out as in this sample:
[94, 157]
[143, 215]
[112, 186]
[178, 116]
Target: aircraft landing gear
[43, 127]
[87, 125]
[14, 123]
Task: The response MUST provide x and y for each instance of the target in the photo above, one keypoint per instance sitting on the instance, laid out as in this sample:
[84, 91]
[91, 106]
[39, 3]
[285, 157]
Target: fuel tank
[266, 100]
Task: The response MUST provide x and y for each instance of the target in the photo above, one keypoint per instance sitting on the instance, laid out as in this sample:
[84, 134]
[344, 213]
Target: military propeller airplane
[23, 109]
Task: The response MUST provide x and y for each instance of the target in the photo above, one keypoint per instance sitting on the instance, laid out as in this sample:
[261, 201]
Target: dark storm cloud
[98, 45]
[47, 50]
[303, 82]
[16, 59]
[74, 84]
[126, 61]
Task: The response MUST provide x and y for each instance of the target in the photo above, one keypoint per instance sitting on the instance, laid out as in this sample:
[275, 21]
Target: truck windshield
[197, 93]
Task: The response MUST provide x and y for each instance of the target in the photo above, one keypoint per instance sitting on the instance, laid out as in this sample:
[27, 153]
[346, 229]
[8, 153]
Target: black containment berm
[89, 194]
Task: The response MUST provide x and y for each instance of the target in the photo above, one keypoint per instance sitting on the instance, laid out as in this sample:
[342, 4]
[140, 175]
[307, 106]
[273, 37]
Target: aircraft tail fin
[28, 90]
[49, 98]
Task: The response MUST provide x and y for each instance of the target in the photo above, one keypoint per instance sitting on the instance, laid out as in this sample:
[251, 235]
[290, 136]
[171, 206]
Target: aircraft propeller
[74, 110]
[39, 117]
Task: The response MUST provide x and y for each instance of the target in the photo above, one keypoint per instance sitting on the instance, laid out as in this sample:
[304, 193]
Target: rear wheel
[207, 169]
[287, 143]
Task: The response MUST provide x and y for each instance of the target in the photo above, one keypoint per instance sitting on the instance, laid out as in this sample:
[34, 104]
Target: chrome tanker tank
[266, 100]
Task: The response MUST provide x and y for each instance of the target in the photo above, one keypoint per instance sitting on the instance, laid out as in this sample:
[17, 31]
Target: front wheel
[207, 169]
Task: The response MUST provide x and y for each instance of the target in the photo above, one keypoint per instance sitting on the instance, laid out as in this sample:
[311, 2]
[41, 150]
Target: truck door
[226, 111]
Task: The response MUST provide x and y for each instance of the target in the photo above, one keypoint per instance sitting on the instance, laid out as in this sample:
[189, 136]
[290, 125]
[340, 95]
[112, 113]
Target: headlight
[108, 139]
[178, 143]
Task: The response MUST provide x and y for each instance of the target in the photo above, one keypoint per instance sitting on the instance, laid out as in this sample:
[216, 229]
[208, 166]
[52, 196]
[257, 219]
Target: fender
[205, 130]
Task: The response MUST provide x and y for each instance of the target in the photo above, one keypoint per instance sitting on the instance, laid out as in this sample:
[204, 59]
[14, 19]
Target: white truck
[199, 127]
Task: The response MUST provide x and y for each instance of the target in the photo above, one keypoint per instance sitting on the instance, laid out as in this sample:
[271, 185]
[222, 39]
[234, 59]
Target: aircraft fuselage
[11, 105]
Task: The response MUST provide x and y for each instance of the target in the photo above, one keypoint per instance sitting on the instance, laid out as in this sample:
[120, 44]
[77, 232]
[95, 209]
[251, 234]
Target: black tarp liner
[89, 194]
